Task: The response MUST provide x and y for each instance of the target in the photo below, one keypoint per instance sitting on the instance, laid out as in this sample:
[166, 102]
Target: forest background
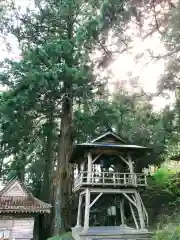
[66, 83]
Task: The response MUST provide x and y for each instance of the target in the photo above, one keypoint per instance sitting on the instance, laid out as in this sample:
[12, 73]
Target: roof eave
[24, 211]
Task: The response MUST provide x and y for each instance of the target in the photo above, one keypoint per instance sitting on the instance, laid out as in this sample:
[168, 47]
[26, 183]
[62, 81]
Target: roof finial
[109, 128]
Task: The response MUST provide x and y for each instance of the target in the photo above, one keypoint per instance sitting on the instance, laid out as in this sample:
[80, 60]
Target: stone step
[147, 238]
[125, 236]
[113, 233]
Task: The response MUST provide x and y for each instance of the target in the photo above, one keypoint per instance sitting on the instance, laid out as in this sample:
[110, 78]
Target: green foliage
[162, 176]
[162, 197]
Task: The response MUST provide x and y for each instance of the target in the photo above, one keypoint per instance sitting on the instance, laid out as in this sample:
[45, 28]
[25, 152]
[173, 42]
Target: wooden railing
[110, 178]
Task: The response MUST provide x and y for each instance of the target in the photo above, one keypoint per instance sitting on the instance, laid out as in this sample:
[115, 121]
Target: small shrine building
[18, 208]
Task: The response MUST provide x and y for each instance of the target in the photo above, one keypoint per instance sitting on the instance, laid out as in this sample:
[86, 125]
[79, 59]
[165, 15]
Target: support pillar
[87, 209]
[82, 166]
[140, 210]
[78, 224]
[131, 169]
[89, 175]
[122, 211]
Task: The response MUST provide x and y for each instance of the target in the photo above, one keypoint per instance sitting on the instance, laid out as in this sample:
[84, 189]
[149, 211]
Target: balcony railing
[109, 179]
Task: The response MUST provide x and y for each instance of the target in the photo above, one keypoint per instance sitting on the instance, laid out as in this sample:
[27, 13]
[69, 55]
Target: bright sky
[146, 71]
[125, 64]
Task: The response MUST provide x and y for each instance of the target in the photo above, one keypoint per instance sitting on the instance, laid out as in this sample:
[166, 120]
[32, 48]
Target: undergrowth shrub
[162, 196]
[169, 228]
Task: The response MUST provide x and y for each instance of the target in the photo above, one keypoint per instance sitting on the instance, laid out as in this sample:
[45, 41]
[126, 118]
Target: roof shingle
[12, 202]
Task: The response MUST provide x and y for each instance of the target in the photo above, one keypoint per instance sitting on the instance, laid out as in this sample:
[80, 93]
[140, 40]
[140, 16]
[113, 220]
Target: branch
[158, 57]
[155, 16]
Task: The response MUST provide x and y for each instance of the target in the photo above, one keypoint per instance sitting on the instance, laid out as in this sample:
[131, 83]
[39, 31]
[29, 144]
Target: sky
[124, 66]
[147, 72]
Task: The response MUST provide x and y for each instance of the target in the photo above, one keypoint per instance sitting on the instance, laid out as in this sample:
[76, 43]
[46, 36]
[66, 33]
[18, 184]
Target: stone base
[111, 233]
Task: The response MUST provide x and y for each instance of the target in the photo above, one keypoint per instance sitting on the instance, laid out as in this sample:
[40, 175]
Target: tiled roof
[20, 203]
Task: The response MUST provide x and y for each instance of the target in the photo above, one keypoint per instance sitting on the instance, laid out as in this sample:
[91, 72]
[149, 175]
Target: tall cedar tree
[56, 39]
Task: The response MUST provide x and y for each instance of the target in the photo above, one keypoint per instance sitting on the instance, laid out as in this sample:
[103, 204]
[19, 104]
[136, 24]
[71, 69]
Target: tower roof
[106, 143]
[16, 198]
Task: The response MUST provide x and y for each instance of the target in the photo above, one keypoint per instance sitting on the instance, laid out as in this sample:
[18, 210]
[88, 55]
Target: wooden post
[82, 175]
[87, 209]
[131, 169]
[140, 211]
[89, 167]
[82, 166]
[78, 224]
[122, 211]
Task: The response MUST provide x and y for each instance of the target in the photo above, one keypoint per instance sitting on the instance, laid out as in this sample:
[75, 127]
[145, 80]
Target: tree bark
[47, 186]
[63, 186]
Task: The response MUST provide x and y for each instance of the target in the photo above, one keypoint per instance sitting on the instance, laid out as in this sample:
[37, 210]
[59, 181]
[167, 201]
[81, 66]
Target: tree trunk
[63, 186]
[63, 181]
[47, 187]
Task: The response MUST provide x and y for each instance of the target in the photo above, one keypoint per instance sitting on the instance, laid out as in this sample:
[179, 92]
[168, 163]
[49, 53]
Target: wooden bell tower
[105, 167]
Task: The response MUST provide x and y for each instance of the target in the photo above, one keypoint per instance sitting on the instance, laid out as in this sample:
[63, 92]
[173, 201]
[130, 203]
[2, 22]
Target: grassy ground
[170, 229]
[168, 234]
[65, 236]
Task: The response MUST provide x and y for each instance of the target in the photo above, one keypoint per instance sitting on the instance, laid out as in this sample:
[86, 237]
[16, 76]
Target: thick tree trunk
[63, 184]
[1, 158]
[63, 180]
[47, 187]
[20, 166]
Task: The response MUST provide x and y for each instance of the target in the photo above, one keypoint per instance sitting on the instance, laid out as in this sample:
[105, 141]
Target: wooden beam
[123, 159]
[95, 200]
[130, 199]
[134, 198]
[83, 192]
[131, 169]
[111, 190]
[96, 158]
[82, 166]
[78, 224]
[140, 211]
[134, 217]
[144, 210]
[122, 211]
[89, 174]
[130, 163]
[86, 212]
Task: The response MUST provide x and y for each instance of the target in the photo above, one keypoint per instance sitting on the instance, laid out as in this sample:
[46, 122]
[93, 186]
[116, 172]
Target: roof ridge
[106, 134]
[8, 185]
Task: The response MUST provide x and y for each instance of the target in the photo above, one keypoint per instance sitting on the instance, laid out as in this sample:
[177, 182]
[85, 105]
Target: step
[112, 233]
